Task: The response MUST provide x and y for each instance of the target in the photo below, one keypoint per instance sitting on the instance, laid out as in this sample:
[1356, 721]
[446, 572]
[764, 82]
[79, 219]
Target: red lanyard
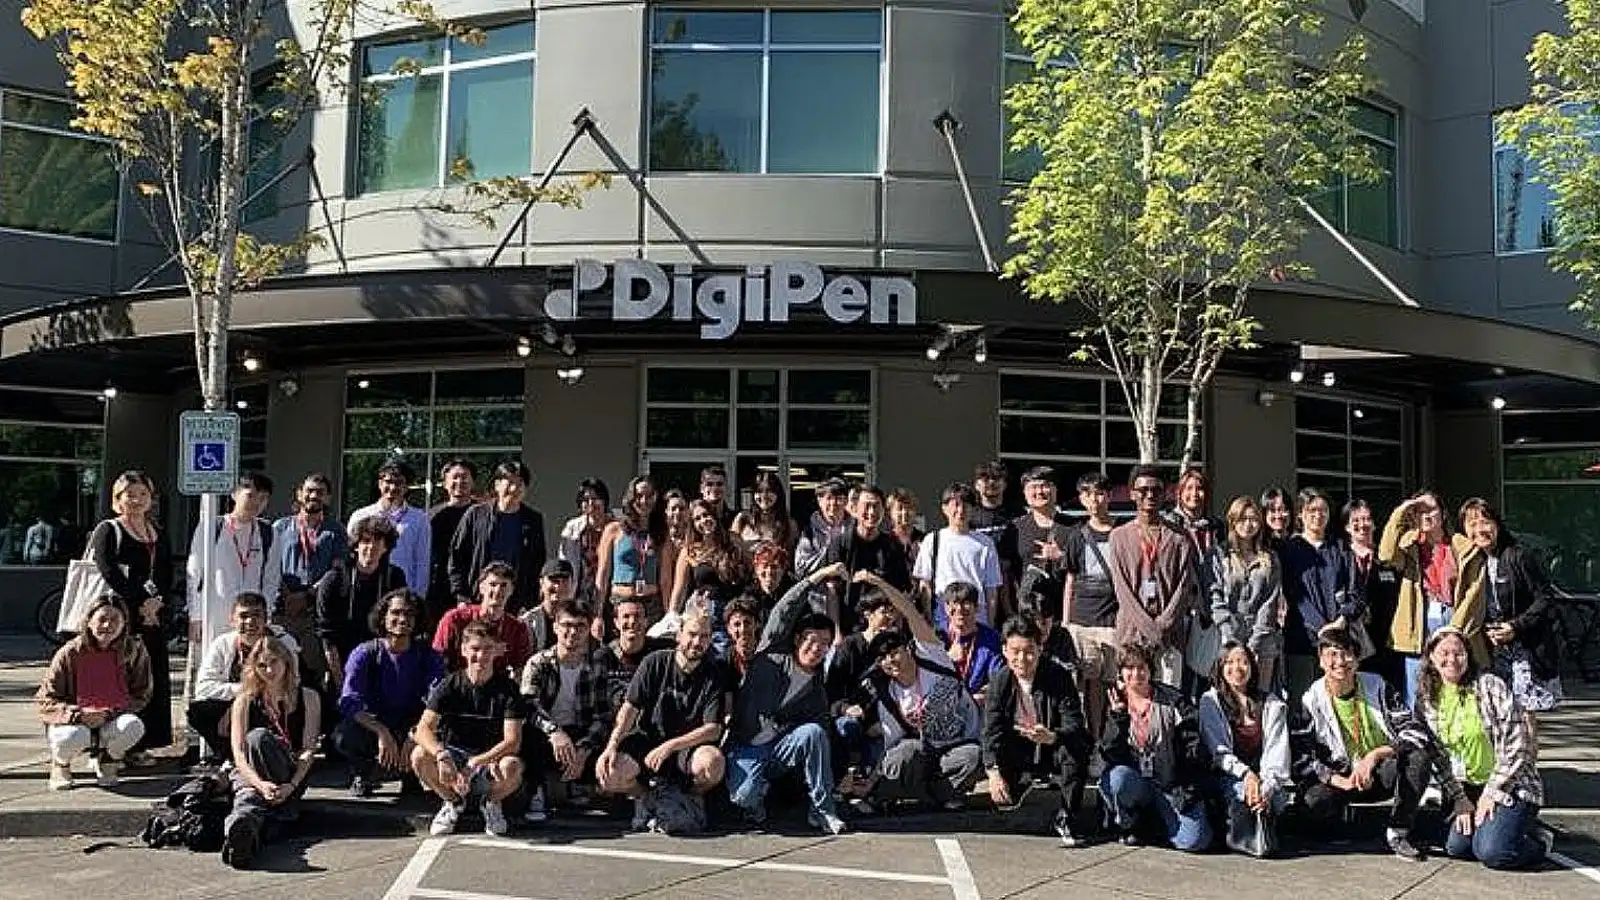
[276, 721]
[1141, 724]
[1363, 566]
[964, 664]
[308, 538]
[1148, 549]
[242, 552]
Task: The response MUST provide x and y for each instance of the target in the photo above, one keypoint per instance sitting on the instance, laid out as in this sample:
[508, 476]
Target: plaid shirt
[1515, 776]
[541, 683]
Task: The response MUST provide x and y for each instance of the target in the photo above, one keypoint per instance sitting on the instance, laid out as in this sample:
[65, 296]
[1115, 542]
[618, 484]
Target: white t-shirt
[968, 557]
[564, 711]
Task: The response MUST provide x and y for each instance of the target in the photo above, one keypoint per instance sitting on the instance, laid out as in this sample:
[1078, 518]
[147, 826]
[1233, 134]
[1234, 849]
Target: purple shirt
[391, 687]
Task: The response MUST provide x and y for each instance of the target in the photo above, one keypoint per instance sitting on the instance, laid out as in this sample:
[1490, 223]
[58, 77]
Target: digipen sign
[721, 302]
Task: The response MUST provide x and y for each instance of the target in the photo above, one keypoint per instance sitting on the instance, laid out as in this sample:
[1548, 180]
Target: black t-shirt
[672, 702]
[882, 553]
[1094, 603]
[994, 523]
[473, 716]
[1027, 536]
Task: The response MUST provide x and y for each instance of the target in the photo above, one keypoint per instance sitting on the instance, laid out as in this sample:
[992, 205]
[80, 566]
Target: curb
[319, 818]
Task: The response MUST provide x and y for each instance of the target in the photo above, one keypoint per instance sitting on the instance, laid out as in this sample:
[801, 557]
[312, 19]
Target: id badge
[1149, 590]
[1147, 765]
[1458, 769]
[638, 587]
[150, 589]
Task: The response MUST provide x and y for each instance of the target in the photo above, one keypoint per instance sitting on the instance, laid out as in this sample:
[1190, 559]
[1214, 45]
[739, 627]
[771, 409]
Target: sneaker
[139, 759]
[107, 772]
[494, 818]
[579, 796]
[444, 821]
[241, 843]
[1403, 848]
[955, 804]
[1132, 839]
[863, 806]
[361, 786]
[538, 812]
[1063, 828]
[827, 822]
[642, 814]
[60, 777]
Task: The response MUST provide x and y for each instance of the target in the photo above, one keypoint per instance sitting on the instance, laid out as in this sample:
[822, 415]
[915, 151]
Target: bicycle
[47, 613]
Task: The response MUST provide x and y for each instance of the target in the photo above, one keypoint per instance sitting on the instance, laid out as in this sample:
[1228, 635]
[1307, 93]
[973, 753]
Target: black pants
[205, 717]
[157, 714]
[359, 747]
[540, 758]
[1403, 776]
[1068, 763]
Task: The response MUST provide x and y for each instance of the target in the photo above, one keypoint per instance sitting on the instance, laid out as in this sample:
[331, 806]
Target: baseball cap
[556, 568]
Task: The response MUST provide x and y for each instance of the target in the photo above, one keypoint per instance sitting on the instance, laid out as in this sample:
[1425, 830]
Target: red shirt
[513, 634]
[100, 681]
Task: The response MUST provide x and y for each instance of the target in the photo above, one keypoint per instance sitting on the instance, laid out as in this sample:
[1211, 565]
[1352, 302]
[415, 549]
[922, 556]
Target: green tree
[170, 83]
[1557, 131]
[1175, 142]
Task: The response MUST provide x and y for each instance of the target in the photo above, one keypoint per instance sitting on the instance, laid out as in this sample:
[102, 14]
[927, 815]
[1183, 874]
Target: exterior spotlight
[252, 363]
[242, 404]
[1498, 403]
[1328, 379]
[980, 350]
[363, 384]
[570, 376]
[1359, 413]
[110, 393]
[524, 347]
[1297, 375]
[933, 354]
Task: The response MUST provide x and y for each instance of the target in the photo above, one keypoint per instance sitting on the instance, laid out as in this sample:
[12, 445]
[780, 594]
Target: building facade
[784, 242]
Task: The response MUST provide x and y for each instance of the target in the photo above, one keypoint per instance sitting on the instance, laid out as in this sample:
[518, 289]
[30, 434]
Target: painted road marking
[1588, 872]
[405, 886]
[955, 865]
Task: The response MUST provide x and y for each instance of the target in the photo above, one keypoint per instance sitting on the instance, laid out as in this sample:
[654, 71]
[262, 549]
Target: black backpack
[191, 816]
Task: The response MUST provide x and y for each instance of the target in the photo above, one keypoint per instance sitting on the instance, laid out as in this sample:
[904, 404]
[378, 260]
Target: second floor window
[54, 179]
[439, 111]
[761, 91]
[1369, 210]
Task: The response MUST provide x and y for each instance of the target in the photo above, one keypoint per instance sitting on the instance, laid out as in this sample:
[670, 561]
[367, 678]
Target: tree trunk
[1191, 425]
[1144, 418]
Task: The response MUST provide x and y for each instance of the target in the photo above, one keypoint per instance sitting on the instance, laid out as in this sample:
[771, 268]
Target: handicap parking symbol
[210, 457]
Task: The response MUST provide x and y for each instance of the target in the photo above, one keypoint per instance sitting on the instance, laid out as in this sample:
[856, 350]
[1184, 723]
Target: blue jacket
[1320, 589]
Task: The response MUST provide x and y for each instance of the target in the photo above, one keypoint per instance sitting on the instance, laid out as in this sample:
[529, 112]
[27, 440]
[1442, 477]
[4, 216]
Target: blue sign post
[209, 452]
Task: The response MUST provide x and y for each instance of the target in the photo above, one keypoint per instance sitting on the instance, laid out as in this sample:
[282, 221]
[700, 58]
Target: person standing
[1379, 585]
[633, 560]
[413, 545]
[1089, 597]
[957, 553]
[555, 586]
[276, 727]
[990, 515]
[1278, 515]
[309, 542]
[92, 694]
[386, 683]
[973, 647]
[1318, 587]
[711, 568]
[828, 522]
[767, 519]
[504, 530]
[579, 545]
[134, 558]
[1249, 591]
[459, 477]
[1153, 576]
[241, 560]
[1033, 727]
[1041, 537]
[864, 545]
[714, 493]
[902, 507]
[515, 644]
[347, 594]
[1417, 543]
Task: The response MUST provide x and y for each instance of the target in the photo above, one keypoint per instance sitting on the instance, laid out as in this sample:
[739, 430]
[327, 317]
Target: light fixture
[363, 384]
[1328, 379]
[569, 346]
[1498, 403]
[933, 353]
[1297, 375]
[570, 376]
[252, 363]
[1359, 413]
[242, 404]
[110, 393]
[289, 386]
[946, 380]
[980, 350]
[524, 347]
[1266, 398]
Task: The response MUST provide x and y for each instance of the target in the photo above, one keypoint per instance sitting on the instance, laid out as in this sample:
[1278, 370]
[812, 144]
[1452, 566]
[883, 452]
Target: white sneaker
[107, 772]
[444, 821]
[60, 776]
[828, 822]
[494, 818]
[537, 813]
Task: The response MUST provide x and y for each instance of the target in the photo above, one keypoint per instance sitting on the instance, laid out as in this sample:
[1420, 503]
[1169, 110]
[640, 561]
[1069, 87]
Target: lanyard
[964, 664]
[308, 538]
[1141, 724]
[275, 720]
[1149, 547]
[243, 553]
[1363, 566]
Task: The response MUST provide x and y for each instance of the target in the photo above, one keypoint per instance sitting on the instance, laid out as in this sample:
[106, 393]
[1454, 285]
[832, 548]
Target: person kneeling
[666, 731]
[276, 725]
[386, 685]
[1033, 726]
[469, 734]
[569, 706]
[1367, 748]
[92, 693]
[1489, 779]
[1246, 731]
[781, 716]
[1152, 755]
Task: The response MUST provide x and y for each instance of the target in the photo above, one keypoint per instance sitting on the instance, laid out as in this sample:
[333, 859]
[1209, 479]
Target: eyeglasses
[1145, 489]
[713, 484]
[571, 624]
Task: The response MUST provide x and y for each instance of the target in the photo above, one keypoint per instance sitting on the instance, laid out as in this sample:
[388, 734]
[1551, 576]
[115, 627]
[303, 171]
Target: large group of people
[1209, 675]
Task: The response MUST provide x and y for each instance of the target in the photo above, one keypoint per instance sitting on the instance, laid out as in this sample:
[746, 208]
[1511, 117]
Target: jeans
[274, 762]
[751, 769]
[116, 737]
[1436, 617]
[359, 747]
[1504, 841]
[1129, 796]
[852, 738]
[206, 718]
[1067, 763]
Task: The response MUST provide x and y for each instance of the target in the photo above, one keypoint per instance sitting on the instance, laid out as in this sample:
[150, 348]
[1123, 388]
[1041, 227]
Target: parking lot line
[442, 894]
[405, 886]
[1579, 868]
[721, 862]
[955, 865]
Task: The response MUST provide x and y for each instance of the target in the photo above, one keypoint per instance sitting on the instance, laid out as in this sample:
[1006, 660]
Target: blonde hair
[1236, 510]
[251, 683]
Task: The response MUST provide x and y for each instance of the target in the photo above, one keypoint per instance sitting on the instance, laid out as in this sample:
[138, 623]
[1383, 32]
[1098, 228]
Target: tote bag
[84, 585]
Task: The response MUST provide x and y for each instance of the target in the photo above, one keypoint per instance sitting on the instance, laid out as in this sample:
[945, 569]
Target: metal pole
[1351, 249]
[581, 123]
[947, 124]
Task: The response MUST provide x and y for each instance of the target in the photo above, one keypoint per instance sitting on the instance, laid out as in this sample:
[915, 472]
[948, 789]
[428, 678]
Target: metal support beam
[581, 124]
[327, 218]
[948, 125]
[1350, 248]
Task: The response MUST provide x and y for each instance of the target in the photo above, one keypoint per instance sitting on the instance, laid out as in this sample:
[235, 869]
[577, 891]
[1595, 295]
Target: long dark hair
[1503, 536]
[652, 521]
[1254, 699]
[1429, 680]
[723, 549]
[778, 519]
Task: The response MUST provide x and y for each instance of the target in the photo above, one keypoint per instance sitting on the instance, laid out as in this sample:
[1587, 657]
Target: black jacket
[1055, 702]
[345, 598]
[469, 553]
[1527, 602]
[1191, 762]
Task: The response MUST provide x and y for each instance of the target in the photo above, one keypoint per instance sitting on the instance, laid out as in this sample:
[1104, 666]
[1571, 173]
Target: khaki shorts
[1097, 651]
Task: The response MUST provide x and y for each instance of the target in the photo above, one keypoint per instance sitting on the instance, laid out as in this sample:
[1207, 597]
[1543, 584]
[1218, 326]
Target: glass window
[1350, 448]
[49, 475]
[54, 179]
[250, 402]
[1524, 206]
[446, 110]
[749, 91]
[1017, 67]
[1370, 210]
[427, 418]
[1050, 394]
[1551, 465]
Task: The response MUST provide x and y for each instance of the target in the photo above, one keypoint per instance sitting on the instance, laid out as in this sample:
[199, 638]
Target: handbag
[84, 585]
[1365, 648]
